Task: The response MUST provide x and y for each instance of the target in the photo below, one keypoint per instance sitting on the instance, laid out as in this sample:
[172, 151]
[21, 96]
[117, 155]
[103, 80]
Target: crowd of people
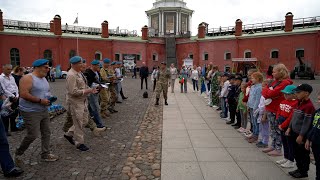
[91, 96]
[262, 106]
[258, 106]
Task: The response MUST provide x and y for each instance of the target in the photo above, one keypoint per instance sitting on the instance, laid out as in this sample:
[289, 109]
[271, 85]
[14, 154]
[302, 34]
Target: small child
[253, 102]
[298, 129]
[284, 115]
[263, 121]
[314, 139]
[242, 109]
[223, 95]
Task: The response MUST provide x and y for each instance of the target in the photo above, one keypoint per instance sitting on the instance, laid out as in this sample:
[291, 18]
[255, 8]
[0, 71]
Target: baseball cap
[303, 87]
[289, 89]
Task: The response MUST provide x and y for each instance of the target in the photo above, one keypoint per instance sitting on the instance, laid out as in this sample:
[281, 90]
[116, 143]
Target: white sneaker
[282, 161]
[288, 164]
[214, 106]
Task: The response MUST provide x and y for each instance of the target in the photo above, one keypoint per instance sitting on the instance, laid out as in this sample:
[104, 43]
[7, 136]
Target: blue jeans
[224, 107]
[255, 124]
[6, 161]
[94, 109]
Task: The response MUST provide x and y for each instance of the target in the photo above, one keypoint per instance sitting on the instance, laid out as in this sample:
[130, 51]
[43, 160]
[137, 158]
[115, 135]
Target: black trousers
[146, 80]
[316, 154]
[288, 146]
[121, 93]
[10, 120]
[154, 84]
[233, 110]
[301, 155]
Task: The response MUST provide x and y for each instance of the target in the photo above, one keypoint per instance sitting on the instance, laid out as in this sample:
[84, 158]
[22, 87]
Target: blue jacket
[254, 96]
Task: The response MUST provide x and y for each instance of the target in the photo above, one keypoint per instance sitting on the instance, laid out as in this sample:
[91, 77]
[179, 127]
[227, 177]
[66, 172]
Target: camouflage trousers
[113, 95]
[104, 100]
[162, 87]
[275, 131]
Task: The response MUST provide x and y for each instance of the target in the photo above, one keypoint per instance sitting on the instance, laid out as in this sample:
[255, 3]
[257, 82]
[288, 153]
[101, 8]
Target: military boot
[165, 102]
[157, 102]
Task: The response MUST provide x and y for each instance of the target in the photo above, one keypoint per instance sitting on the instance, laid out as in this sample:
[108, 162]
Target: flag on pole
[76, 20]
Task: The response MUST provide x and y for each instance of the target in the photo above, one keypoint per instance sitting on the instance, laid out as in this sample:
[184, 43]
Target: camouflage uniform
[105, 93]
[214, 87]
[162, 83]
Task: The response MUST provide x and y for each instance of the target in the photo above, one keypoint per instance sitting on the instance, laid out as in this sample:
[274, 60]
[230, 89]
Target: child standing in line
[263, 121]
[253, 102]
[298, 129]
[283, 117]
[223, 95]
[242, 109]
[314, 139]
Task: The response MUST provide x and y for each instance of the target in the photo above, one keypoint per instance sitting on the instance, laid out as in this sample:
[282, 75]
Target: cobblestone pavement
[107, 154]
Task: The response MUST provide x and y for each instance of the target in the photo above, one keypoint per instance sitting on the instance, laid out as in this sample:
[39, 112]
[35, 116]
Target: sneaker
[96, 132]
[50, 158]
[15, 172]
[274, 153]
[248, 134]
[70, 139]
[282, 161]
[266, 150]
[288, 164]
[214, 106]
[101, 129]
[240, 129]
[83, 147]
[18, 160]
[294, 172]
[229, 122]
[261, 145]
[300, 175]
[253, 139]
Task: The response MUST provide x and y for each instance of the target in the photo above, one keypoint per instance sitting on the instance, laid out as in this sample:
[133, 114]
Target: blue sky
[130, 14]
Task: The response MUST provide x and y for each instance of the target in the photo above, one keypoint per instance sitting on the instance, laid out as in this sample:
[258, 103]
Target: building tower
[169, 17]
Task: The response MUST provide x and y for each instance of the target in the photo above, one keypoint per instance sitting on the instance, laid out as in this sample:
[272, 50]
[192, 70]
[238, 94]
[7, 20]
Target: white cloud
[130, 14]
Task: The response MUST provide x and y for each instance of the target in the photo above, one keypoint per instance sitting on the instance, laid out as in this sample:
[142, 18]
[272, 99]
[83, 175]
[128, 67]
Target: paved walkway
[197, 144]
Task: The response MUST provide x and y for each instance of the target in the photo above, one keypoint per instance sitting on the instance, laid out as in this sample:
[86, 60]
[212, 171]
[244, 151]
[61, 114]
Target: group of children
[274, 108]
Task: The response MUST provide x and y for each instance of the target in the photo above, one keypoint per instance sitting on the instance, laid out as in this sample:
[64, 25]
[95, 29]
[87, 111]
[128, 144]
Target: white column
[149, 21]
[180, 22]
[162, 22]
[177, 24]
[159, 24]
[189, 23]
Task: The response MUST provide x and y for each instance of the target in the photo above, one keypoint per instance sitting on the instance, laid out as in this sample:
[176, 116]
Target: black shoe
[218, 109]
[115, 111]
[70, 139]
[157, 102]
[118, 102]
[236, 127]
[124, 97]
[299, 175]
[166, 103]
[83, 147]
[15, 172]
[229, 122]
[293, 172]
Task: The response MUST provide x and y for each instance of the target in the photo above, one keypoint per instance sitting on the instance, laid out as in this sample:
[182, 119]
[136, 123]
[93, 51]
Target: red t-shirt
[285, 110]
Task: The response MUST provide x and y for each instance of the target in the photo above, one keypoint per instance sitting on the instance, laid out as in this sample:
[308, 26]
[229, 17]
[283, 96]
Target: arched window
[227, 55]
[299, 52]
[155, 57]
[98, 55]
[274, 54]
[15, 57]
[247, 54]
[72, 53]
[47, 54]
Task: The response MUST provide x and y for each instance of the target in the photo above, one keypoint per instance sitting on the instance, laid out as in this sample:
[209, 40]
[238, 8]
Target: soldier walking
[163, 83]
[77, 92]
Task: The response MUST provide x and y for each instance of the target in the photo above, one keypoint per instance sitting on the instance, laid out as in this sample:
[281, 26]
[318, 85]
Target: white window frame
[273, 50]
[100, 53]
[155, 54]
[225, 55]
[204, 55]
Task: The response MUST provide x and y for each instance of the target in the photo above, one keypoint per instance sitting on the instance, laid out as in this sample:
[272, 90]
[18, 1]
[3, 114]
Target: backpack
[145, 94]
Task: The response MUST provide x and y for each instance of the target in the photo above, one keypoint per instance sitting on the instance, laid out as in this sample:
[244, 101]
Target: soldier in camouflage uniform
[214, 86]
[105, 94]
[163, 83]
[112, 88]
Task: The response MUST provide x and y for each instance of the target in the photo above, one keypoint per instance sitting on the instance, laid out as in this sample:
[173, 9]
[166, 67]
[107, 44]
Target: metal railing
[155, 33]
[300, 23]
[37, 26]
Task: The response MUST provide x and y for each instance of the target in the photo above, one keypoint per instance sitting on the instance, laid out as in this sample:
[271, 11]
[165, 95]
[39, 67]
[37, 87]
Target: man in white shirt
[10, 90]
[223, 95]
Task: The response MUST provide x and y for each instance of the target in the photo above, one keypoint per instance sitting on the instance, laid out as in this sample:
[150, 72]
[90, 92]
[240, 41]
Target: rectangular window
[275, 54]
[117, 57]
[138, 57]
[206, 56]
[191, 56]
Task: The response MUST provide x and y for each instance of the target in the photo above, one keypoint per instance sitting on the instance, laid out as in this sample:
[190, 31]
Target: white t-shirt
[195, 74]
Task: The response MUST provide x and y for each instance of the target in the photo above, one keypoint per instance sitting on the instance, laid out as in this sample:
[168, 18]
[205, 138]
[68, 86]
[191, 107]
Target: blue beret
[75, 59]
[106, 60]
[40, 62]
[113, 63]
[95, 62]
[118, 63]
